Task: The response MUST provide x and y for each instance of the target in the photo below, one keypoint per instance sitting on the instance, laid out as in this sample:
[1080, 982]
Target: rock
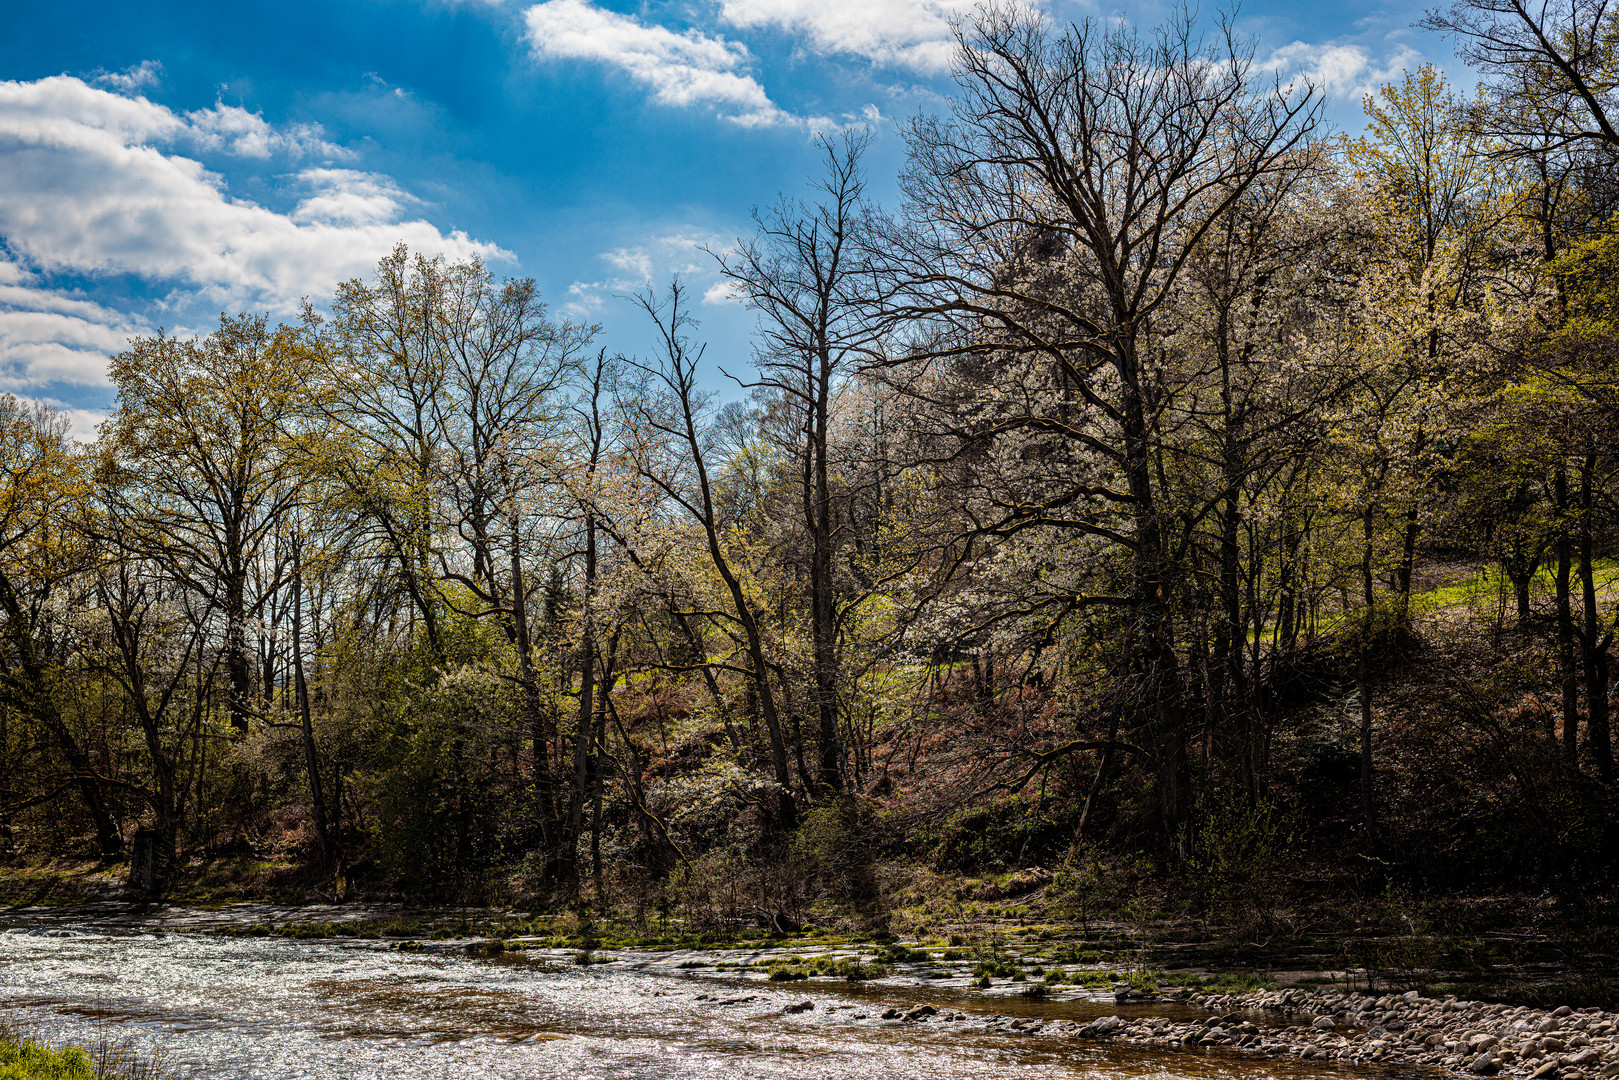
[1588, 1056]
[1544, 1071]
[891, 1014]
[1324, 1023]
[1562, 1010]
[920, 1011]
[802, 1006]
[1484, 1063]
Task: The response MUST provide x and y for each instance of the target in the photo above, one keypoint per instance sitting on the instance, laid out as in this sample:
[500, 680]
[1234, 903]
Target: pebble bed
[1461, 1037]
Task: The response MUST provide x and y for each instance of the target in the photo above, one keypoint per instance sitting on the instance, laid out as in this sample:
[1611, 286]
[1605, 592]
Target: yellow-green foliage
[24, 1059]
[1589, 274]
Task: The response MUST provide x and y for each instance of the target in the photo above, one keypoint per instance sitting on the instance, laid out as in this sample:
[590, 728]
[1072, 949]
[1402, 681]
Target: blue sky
[161, 162]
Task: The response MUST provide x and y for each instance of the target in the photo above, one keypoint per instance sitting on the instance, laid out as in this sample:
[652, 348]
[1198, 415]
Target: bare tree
[1553, 66]
[677, 465]
[809, 274]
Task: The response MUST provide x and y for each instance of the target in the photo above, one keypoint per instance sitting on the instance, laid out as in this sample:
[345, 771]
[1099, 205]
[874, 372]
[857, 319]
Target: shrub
[1238, 852]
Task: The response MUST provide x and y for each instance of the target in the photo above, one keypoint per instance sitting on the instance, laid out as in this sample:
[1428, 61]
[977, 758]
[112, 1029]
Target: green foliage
[27, 1060]
[840, 842]
[23, 1058]
[1238, 858]
[435, 811]
[1589, 275]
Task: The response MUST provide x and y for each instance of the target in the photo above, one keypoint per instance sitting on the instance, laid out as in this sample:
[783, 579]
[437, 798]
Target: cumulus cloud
[350, 197]
[723, 291]
[1341, 70]
[681, 69]
[94, 189]
[899, 33]
[231, 129]
[90, 190]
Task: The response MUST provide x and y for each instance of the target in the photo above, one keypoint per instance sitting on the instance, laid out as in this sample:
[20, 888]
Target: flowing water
[280, 1009]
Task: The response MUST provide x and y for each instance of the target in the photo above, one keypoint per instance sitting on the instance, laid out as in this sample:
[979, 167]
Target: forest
[1167, 489]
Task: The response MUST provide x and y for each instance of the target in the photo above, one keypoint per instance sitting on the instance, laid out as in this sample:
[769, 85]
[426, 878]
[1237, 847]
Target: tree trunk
[1565, 624]
[317, 801]
[538, 720]
[1595, 638]
[823, 628]
[1363, 684]
[587, 706]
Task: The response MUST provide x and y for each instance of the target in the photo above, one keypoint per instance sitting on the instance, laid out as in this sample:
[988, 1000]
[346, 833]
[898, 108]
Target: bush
[1238, 851]
[435, 815]
[839, 842]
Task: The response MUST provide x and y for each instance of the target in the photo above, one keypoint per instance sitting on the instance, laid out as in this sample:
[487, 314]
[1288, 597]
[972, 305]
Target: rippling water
[279, 1009]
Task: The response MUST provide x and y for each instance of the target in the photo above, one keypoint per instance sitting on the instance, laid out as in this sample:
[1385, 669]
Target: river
[278, 1009]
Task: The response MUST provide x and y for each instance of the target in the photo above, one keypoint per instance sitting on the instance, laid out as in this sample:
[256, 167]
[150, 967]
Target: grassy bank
[25, 1058]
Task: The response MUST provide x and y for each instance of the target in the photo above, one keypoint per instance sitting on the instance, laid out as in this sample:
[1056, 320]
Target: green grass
[24, 1058]
[28, 1060]
[796, 968]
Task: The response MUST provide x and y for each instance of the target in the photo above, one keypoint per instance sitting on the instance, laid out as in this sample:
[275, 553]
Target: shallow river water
[279, 1009]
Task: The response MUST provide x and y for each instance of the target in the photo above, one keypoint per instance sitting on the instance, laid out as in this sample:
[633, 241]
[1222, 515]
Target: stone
[1588, 1056]
[1324, 1023]
[1484, 1063]
[1544, 1071]
[802, 1006]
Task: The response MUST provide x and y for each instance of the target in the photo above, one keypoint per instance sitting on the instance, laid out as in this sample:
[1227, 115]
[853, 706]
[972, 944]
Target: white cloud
[1341, 70]
[92, 189]
[49, 337]
[723, 291]
[681, 69]
[132, 80]
[89, 191]
[231, 129]
[683, 251]
[349, 197]
[900, 33]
